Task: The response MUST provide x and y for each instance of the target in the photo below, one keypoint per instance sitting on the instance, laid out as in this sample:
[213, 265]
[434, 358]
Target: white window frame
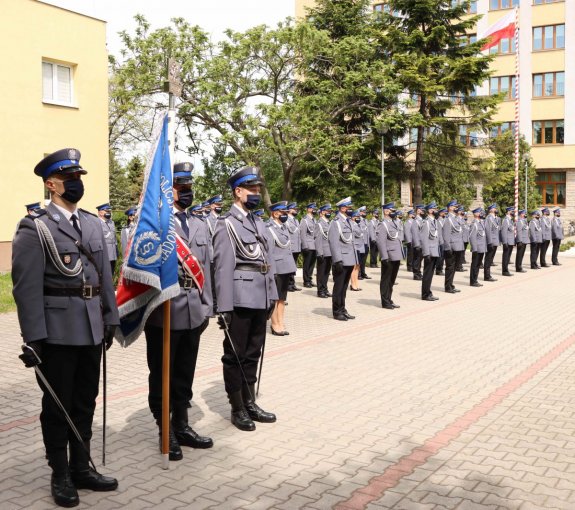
[54, 99]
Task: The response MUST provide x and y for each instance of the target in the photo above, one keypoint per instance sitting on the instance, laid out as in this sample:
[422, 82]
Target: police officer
[416, 227]
[307, 230]
[259, 214]
[430, 240]
[323, 251]
[359, 249]
[557, 235]
[493, 239]
[109, 229]
[343, 257]
[391, 252]
[284, 265]
[189, 312]
[440, 215]
[365, 232]
[407, 234]
[546, 236]
[507, 239]
[372, 227]
[292, 225]
[32, 208]
[67, 313]
[452, 235]
[478, 247]
[521, 241]
[127, 228]
[462, 216]
[536, 238]
[215, 203]
[246, 292]
[197, 211]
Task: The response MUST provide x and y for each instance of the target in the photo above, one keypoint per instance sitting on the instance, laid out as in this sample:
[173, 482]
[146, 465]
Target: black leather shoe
[490, 279]
[93, 481]
[348, 316]
[493, 264]
[308, 285]
[418, 278]
[451, 291]
[322, 295]
[255, 412]
[295, 288]
[481, 266]
[545, 265]
[328, 294]
[365, 277]
[461, 270]
[339, 317]
[556, 264]
[388, 307]
[439, 273]
[355, 290]
[520, 270]
[63, 490]
[174, 451]
[395, 306]
[476, 284]
[241, 419]
[277, 333]
[428, 298]
[506, 273]
[190, 438]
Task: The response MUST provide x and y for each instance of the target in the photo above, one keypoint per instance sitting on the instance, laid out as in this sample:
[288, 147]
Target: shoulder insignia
[88, 212]
[225, 215]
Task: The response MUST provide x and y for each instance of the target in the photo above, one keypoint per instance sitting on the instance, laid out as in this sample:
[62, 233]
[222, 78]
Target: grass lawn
[6, 301]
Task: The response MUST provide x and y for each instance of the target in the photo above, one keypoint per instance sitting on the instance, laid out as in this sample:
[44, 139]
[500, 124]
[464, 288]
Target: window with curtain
[57, 83]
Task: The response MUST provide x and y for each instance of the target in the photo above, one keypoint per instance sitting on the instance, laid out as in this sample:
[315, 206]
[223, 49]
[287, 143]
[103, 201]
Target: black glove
[271, 310]
[225, 320]
[31, 353]
[204, 325]
[320, 257]
[337, 267]
[109, 332]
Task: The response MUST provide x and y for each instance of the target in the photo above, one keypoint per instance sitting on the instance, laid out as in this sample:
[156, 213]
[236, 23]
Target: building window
[496, 5]
[504, 47]
[549, 84]
[540, 2]
[496, 131]
[552, 186]
[467, 137]
[550, 37]
[465, 40]
[548, 132]
[502, 85]
[56, 83]
[471, 9]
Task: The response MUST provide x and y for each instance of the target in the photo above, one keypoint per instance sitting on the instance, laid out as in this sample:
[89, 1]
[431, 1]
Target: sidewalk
[465, 403]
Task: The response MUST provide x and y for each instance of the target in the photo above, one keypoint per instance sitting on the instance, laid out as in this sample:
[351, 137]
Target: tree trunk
[287, 192]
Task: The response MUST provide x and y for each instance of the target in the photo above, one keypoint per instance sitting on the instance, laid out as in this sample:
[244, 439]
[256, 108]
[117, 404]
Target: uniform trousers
[476, 259]
[428, 269]
[416, 263]
[113, 266]
[363, 259]
[372, 254]
[389, 269]
[465, 245]
[214, 295]
[309, 257]
[450, 261]
[440, 261]
[519, 253]
[489, 256]
[73, 372]
[340, 283]
[543, 252]
[507, 252]
[459, 260]
[292, 277]
[248, 332]
[322, 273]
[534, 254]
[409, 257]
[555, 251]
[184, 345]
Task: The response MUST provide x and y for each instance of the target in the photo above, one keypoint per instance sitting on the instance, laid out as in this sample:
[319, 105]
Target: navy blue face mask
[283, 218]
[185, 198]
[349, 213]
[328, 215]
[73, 190]
[252, 201]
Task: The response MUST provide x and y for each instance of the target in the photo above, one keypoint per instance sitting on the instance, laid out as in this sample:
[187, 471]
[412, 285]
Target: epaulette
[36, 214]
[225, 215]
[88, 212]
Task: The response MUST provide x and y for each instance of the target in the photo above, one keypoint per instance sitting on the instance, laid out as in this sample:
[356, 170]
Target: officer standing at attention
[292, 225]
[323, 251]
[343, 257]
[462, 214]
[359, 248]
[536, 238]
[372, 227]
[391, 252]
[407, 234]
[546, 236]
[246, 292]
[521, 240]
[109, 229]
[478, 246]
[189, 312]
[493, 239]
[507, 239]
[365, 231]
[430, 240]
[127, 228]
[557, 236]
[284, 265]
[67, 313]
[452, 245]
[416, 227]
[307, 230]
[441, 259]
[211, 219]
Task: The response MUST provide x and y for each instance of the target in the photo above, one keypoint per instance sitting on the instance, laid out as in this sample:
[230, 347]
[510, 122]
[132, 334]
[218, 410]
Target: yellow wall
[300, 6]
[29, 32]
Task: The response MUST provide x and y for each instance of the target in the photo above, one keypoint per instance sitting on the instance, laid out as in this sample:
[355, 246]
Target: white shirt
[68, 215]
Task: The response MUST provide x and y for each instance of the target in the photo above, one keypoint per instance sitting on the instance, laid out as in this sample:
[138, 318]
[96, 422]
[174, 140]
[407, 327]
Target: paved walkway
[465, 403]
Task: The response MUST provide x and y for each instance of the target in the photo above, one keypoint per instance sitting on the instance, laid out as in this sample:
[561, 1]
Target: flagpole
[516, 132]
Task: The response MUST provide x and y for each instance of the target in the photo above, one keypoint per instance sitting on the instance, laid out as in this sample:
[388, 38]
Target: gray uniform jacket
[292, 225]
[371, 228]
[407, 230]
[557, 229]
[492, 230]
[365, 230]
[109, 229]
[452, 233]
[477, 237]
[211, 221]
[508, 231]
[465, 229]
[63, 320]
[388, 242]
[546, 228]
[357, 237]
[399, 224]
[321, 238]
[535, 234]
[522, 235]
[307, 230]
[190, 309]
[430, 237]
[416, 232]
[124, 235]
[340, 237]
[238, 240]
[280, 248]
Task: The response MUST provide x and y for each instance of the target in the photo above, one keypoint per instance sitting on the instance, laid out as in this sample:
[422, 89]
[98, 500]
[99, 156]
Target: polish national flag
[505, 27]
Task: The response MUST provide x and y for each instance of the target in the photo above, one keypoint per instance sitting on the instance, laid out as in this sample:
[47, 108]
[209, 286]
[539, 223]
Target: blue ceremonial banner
[150, 271]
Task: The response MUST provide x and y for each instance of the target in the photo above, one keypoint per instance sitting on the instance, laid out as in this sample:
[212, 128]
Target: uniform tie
[76, 224]
[182, 216]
